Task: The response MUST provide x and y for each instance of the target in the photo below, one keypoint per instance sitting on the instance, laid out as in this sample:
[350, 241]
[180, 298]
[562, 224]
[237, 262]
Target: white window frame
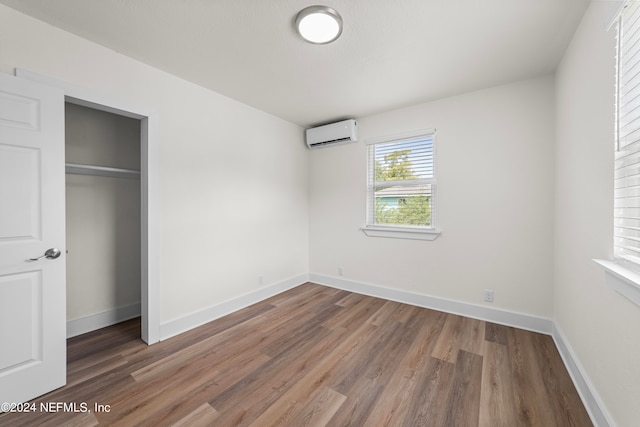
[627, 139]
[399, 231]
[623, 274]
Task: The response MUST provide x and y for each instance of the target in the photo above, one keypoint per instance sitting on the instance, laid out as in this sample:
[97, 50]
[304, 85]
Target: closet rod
[76, 169]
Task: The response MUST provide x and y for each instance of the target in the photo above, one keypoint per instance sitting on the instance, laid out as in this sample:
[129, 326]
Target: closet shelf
[76, 169]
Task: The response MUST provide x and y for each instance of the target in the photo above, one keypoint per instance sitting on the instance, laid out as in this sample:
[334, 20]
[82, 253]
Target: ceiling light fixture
[319, 24]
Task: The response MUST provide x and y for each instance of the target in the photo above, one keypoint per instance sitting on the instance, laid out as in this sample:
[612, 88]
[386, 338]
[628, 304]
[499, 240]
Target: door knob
[52, 253]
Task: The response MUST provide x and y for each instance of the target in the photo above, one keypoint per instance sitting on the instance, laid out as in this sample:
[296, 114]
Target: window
[622, 275]
[627, 156]
[401, 186]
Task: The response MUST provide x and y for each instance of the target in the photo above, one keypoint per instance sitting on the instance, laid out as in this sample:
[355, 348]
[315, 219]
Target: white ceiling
[391, 53]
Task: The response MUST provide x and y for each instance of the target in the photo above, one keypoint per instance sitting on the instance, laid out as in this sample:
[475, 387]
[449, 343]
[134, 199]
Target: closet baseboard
[101, 320]
[200, 317]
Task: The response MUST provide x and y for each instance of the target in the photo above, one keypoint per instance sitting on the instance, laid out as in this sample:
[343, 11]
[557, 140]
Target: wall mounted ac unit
[333, 134]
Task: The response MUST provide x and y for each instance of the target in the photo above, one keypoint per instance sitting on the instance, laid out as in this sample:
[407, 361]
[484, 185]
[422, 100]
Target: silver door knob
[52, 253]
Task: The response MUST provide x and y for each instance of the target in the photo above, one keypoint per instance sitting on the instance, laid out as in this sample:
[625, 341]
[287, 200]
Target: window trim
[625, 140]
[623, 280]
[400, 231]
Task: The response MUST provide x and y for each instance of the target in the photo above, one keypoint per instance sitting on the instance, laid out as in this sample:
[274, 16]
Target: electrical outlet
[488, 295]
[340, 271]
[260, 280]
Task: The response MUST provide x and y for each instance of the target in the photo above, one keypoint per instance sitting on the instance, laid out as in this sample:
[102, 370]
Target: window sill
[623, 280]
[400, 232]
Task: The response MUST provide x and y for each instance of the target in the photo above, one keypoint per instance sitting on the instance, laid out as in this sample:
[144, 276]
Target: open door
[32, 240]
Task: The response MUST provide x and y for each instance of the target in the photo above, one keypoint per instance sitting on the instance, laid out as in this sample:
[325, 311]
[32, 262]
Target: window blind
[627, 155]
[401, 181]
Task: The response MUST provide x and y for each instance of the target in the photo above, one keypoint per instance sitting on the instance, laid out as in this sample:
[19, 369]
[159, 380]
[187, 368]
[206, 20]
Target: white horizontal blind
[627, 156]
[401, 181]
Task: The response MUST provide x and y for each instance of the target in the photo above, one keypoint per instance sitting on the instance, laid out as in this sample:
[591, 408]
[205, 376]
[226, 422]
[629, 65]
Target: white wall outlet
[260, 280]
[340, 271]
[488, 295]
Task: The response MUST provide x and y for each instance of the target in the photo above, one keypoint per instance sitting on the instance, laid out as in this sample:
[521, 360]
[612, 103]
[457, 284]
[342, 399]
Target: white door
[32, 293]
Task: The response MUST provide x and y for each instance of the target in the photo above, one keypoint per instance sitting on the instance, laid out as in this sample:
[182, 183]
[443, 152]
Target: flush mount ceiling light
[319, 24]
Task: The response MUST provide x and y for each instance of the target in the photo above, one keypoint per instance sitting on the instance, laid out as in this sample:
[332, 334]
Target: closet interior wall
[102, 214]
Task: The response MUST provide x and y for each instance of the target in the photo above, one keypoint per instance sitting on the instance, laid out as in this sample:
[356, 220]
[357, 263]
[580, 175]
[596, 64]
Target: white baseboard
[590, 398]
[198, 318]
[503, 317]
[102, 320]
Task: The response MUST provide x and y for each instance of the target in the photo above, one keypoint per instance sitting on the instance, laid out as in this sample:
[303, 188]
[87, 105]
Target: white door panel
[19, 111]
[23, 328]
[22, 191]
[32, 293]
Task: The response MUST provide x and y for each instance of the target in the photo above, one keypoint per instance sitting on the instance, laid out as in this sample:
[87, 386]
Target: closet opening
[103, 218]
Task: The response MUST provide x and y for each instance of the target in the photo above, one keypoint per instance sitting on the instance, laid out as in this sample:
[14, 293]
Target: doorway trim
[149, 189]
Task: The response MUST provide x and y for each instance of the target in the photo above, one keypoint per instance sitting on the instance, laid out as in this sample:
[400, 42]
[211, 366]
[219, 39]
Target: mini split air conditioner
[332, 134]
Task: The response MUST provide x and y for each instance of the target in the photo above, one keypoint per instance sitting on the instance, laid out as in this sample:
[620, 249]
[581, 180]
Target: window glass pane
[412, 159]
[401, 182]
[627, 156]
[403, 205]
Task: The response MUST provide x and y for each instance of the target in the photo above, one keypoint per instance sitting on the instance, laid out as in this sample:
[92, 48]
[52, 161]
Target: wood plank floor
[316, 356]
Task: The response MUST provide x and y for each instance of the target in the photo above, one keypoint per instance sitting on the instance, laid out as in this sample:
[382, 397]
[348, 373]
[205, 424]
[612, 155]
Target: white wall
[601, 326]
[103, 213]
[234, 179]
[494, 170]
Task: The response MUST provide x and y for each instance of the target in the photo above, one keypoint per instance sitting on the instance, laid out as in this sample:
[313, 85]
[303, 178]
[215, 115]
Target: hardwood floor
[316, 356]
